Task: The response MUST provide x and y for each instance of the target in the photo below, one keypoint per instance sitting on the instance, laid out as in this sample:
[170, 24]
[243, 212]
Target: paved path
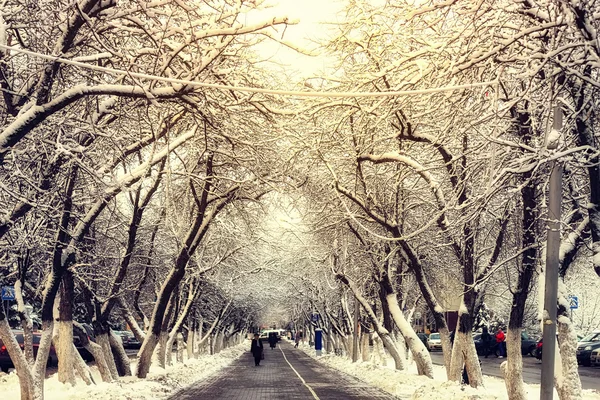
[279, 379]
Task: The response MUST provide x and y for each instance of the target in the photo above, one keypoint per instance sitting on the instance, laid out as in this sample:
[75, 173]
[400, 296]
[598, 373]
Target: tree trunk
[386, 339]
[170, 340]
[131, 321]
[64, 344]
[98, 354]
[570, 387]
[162, 349]
[529, 218]
[26, 323]
[104, 342]
[364, 347]
[26, 378]
[81, 367]
[119, 354]
[513, 374]
[180, 348]
[434, 307]
[419, 351]
[191, 337]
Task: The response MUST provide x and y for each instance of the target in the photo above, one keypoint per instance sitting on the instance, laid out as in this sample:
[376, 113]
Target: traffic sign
[8, 293]
[314, 317]
[573, 302]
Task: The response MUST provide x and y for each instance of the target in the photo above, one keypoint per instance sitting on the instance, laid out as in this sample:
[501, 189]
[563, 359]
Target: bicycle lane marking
[299, 376]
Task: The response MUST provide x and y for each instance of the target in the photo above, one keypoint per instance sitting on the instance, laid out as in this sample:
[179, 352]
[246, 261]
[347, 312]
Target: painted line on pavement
[299, 376]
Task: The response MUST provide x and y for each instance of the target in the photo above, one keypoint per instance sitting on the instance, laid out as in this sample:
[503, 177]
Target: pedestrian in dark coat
[272, 339]
[486, 338]
[256, 349]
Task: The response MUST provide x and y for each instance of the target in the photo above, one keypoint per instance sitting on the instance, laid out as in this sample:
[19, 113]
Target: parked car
[128, 339]
[586, 346]
[528, 344]
[423, 337]
[595, 358]
[264, 335]
[434, 342]
[89, 332]
[5, 361]
[540, 346]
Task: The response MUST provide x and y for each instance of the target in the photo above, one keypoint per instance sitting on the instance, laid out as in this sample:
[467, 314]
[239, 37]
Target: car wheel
[532, 351]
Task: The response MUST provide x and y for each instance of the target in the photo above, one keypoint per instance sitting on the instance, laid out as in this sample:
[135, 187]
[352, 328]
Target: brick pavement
[274, 379]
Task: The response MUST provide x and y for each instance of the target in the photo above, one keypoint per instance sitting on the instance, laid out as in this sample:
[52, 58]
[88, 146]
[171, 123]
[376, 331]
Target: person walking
[256, 348]
[272, 339]
[486, 338]
[500, 337]
[298, 338]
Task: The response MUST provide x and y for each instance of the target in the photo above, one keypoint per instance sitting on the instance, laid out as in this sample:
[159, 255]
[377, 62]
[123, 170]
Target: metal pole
[552, 260]
[356, 327]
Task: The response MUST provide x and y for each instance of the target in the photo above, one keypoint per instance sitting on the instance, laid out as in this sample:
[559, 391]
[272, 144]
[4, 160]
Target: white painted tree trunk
[103, 341]
[464, 354]
[513, 373]
[190, 343]
[180, 347]
[26, 378]
[161, 349]
[41, 360]
[169, 354]
[26, 324]
[63, 343]
[446, 349]
[570, 386]
[98, 354]
[364, 347]
[379, 353]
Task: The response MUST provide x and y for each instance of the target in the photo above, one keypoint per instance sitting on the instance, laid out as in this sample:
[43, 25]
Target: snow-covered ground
[408, 385]
[160, 384]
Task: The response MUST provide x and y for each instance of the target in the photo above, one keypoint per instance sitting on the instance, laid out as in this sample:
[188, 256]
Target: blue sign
[318, 341]
[573, 302]
[8, 292]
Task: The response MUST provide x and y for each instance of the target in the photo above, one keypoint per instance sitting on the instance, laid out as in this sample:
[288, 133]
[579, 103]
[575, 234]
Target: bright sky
[311, 15]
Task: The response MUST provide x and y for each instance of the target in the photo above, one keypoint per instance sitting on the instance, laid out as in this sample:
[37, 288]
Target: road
[590, 376]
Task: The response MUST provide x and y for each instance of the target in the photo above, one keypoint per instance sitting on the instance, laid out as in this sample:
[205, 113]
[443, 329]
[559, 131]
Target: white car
[595, 358]
[434, 342]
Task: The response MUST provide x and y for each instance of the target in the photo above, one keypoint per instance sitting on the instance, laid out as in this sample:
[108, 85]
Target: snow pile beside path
[408, 385]
[160, 383]
[404, 384]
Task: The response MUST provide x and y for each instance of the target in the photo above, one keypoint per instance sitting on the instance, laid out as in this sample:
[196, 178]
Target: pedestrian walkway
[285, 374]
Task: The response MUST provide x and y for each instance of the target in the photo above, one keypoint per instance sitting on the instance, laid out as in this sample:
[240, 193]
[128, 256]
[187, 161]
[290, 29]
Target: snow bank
[408, 385]
[160, 383]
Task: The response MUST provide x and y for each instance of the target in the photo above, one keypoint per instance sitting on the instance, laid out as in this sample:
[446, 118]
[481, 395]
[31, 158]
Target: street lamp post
[552, 261]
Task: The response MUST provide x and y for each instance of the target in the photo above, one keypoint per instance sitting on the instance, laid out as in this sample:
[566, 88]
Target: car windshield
[524, 335]
[434, 336]
[593, 337]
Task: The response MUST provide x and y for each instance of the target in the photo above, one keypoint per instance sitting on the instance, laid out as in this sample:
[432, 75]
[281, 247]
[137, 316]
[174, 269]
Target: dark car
[528, 344]
[89, 332]
[423, 337]
[540, 346]
[5, 361]
[128, 339]
[586, 346]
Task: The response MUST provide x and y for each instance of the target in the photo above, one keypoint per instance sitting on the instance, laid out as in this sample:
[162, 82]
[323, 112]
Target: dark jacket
[256, 348]
[485, 336]
[272, 339]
